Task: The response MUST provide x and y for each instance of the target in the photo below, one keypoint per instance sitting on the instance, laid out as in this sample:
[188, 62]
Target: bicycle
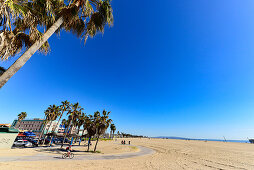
[65, 155]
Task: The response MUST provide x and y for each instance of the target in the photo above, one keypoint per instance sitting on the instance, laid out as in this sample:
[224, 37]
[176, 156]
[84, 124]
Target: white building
[51, 126]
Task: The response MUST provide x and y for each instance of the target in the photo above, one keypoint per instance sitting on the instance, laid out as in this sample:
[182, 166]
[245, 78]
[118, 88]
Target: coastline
[169, 154]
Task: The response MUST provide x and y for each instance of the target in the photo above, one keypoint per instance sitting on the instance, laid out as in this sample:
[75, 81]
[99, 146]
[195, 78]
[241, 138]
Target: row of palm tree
[26, 25]
[95, 124]
[127, 135]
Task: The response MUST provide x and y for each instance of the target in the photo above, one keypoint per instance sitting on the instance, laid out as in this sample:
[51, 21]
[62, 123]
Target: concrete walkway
[43, 157]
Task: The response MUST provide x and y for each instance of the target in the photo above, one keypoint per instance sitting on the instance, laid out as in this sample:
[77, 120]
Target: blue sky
[172, 68]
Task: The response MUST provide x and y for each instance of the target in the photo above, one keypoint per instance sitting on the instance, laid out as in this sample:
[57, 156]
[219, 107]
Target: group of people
[123, 142]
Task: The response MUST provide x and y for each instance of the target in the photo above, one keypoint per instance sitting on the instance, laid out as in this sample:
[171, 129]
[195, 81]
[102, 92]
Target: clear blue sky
[169, 67]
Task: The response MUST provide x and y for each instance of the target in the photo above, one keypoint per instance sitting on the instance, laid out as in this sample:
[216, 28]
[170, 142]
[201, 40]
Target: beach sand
[169, 154]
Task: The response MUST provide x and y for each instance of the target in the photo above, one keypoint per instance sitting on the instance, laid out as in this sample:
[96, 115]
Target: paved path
[43, 157]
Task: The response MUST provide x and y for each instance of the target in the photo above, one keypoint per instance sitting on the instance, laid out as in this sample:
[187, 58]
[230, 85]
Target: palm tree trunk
[44, 126]
[85, 139]
[81, 136]
[57, 125]
[51, 138]
[47, 132]
[28, 54]
[96, 143]
[77, 135]
[66, 134]
[89, 141]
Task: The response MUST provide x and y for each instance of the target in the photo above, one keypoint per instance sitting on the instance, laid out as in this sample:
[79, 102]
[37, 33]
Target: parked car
[46, 141]
[34, 142]
[22, 143]
[66, 140]
[57, 140]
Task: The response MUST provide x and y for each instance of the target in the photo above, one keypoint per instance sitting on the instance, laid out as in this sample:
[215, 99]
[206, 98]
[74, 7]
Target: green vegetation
[21, 116]
[126, 135]
[113, 129]
[95, 124]
[134, 147]
[94, 139]
[95, 151]
[28, 24]
[105, 139]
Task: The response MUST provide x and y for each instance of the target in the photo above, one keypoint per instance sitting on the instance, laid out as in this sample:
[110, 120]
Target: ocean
[219, 140]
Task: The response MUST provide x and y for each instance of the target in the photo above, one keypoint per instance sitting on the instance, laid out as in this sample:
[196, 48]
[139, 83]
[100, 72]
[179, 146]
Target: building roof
[5, 125]
[35, 119]
[8, 130]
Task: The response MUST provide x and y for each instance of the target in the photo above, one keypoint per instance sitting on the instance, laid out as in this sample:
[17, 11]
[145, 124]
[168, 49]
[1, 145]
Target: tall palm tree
[113, 129]
[102, 125]
[48, 117]
[64, 107]
[64, 123]
[45, 121]
[73, 112]
[21, 116]
[82, 17]
[52, 112]
[60, 110]
[56, 113]
[80, 123]
[11, 39]
[89, 125]
[75, 121]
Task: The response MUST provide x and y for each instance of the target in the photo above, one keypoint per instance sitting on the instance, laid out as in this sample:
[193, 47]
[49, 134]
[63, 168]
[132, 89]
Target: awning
[21, 135]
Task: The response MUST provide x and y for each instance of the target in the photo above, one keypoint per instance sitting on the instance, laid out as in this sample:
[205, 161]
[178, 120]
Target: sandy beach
[169, 154]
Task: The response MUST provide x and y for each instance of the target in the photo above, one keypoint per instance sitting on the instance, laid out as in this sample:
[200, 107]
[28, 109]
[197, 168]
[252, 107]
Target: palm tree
[102, 124]
[56, 113]
[21, 116]
[11, 39]
[80, 123]
[76, 116]
[82, 17]
[73, 112]
[60, 110]
[45, 121]
[64, 123]
[89, 125]
[113, 129]
[52, 112]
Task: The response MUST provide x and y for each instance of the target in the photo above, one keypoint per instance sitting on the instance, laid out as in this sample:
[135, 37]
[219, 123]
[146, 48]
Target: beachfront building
[35, 125]
[51, 126]
[106, 135]
[7, 137]
[5, 125]
[61, 129]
